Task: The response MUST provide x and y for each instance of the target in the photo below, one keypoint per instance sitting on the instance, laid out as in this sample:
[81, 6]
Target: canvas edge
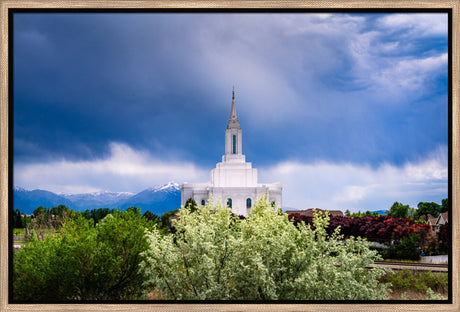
[3, 157]
[5, 5]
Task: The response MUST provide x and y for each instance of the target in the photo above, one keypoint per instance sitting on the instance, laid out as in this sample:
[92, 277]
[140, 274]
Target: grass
[400, 260]
[19, 232]
[413, 285]
[412, 295]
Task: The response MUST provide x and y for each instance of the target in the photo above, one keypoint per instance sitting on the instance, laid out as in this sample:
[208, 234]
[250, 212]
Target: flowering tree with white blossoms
[215, 255]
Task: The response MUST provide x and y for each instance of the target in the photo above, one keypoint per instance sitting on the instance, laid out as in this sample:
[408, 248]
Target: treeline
[47, 220]
[399, 210]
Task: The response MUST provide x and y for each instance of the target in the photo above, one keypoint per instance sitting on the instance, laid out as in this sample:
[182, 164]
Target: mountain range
[158, 199]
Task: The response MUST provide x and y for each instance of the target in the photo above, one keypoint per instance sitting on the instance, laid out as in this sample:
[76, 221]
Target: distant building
[233, 181]
[309, 212]
[443, 218]
[436, 222]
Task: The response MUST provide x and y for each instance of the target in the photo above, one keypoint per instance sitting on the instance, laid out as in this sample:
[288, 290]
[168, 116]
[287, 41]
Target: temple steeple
[233, 136]
[234, 183]
[233, 121]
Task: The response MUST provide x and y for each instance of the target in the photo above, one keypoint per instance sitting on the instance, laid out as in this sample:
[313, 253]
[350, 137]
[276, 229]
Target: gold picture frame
[454, 6]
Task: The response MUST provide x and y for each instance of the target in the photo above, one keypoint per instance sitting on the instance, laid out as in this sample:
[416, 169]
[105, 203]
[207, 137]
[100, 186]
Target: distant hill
[96, 200]
[381, 212]
[27, 201]
[157, 199]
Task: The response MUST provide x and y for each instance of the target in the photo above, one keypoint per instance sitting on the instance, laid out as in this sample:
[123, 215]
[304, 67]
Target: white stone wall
[239, 195]
[227, 174]
[196, 191]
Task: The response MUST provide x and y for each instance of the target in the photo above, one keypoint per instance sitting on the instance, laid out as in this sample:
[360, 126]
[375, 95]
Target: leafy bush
[415, 280]
[214, 255]
[83, 261]
[405, 249]
[443, 237]
[382, 229]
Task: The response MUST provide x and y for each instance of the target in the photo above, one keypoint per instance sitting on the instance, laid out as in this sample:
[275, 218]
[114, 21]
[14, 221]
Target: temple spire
[233, 121]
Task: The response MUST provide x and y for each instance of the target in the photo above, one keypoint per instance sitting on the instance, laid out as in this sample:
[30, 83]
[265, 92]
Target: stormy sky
[347, 111]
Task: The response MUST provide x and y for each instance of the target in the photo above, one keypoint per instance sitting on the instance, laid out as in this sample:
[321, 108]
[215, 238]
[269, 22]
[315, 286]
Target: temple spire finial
[233, 122]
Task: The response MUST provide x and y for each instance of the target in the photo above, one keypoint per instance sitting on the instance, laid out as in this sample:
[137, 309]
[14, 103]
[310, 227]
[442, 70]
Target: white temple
[233, 181]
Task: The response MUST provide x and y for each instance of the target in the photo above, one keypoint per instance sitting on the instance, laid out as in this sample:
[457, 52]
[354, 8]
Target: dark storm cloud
[82, 80]
[159, 81]
[360, 95]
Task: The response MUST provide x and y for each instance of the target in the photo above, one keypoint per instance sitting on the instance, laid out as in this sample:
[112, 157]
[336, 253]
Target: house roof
[335, 213]
[309, 212]
[444, 216]
[432, 220]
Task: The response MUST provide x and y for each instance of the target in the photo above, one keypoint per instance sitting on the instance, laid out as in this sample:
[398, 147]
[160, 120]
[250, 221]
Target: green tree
[151, 216]
[45, 219]
[18, 222]
[191, 204]
[445, 205]
[40, 224]
[412, 213]
[59, 211]
[165, 223]
[97, 214]
[360, 214]
[399, 210]
[83, 261]
[41, 217]
[215, 255]
[425, 208]
[40, 211]
[156, 220]
[406, 249]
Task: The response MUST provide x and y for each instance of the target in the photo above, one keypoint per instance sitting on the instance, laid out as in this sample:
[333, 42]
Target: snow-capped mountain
[27, 201]
[170, 186]
[99, 199]
[157, 199]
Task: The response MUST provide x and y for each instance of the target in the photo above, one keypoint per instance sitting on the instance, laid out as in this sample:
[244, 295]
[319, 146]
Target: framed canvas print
[208, 155]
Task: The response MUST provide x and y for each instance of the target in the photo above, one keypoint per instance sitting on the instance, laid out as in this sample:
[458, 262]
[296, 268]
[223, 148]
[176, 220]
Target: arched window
[248, 203]
[234, 144]
[203, 202]
[229, 202]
